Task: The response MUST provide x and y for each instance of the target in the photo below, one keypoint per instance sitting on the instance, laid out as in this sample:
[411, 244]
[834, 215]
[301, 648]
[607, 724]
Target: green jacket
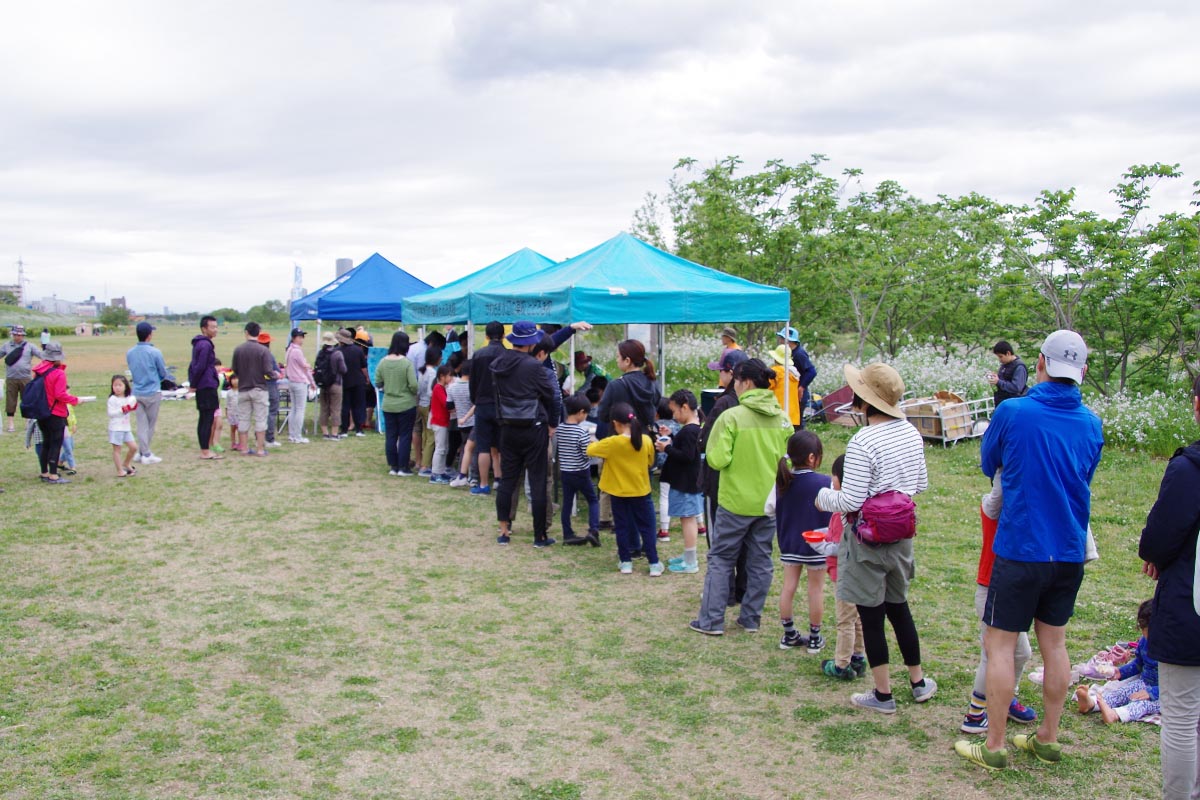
[398, 379]
[746, 444]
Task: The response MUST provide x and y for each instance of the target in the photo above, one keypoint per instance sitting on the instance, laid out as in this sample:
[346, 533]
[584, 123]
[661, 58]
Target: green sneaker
[978, 754]
[216, 448]
[1046, 753]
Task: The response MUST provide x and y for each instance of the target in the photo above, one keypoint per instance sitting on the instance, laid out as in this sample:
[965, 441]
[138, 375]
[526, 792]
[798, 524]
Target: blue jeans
[67, 456]
[397, 436]
[633, 521]
[580, 482]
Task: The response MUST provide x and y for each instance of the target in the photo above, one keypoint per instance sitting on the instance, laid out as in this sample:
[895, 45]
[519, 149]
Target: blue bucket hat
[524, 333]
[790, 334]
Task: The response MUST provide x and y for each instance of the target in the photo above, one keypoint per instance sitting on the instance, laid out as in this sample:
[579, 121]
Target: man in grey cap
[1048, 443]
[18, 370]
[148, 369]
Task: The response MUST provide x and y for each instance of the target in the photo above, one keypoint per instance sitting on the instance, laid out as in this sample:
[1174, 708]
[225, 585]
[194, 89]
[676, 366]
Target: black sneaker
[859, 665]
[816, 643]
[544, 542]
[575, 540]
[593, 538]
[502, 539]
[792, 641]
[636, 554]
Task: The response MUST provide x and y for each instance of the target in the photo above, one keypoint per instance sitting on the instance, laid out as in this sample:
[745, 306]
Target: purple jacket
[202, 372]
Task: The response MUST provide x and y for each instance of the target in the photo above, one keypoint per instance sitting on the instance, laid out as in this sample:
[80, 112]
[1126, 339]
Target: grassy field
[307, 626]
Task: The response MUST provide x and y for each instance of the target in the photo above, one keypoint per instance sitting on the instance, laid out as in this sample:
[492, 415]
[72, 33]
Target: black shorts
[486, 436]
[1021, 591]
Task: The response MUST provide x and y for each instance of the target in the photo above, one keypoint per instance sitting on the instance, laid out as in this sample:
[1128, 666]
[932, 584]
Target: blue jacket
[1144, 666]
[147, 367]
[1049, 445]
[1169, 543]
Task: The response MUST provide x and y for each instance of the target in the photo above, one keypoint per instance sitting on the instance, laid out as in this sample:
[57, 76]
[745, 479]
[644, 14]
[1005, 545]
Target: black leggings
[52, 438]
[207, 403]
[902, 624]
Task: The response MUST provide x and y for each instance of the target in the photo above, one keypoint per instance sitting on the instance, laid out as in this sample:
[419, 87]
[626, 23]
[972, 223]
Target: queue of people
[749, 470]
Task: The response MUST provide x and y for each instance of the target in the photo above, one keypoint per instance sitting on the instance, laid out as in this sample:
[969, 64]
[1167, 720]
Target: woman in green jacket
[745, 446]
[397, 378]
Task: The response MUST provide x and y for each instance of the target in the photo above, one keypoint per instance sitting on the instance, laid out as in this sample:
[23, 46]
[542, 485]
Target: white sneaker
[656, 569]
[301, 440]
[137, 458]
[274, 444]
[392, 472]
[457, 482]
[151, 459]
[626, 567]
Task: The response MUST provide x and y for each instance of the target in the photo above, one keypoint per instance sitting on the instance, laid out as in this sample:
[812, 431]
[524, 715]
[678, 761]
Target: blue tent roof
[371, 291]
[625, 280]
[451, 302]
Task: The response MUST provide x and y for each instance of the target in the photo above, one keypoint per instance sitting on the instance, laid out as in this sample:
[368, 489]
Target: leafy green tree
[272, 312]
[114, 316]
[7, 299]
[228, 314]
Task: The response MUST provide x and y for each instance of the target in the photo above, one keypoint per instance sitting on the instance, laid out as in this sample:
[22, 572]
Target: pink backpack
[887, 517]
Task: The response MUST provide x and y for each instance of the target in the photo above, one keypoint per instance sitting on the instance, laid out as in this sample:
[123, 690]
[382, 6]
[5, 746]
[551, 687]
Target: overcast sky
[187, 154]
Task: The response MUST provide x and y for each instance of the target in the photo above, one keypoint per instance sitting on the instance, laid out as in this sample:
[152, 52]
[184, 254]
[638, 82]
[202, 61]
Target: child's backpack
[323, 370]
[34, 404]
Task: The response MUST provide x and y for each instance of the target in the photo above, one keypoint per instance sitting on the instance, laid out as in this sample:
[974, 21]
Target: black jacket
[480, 384]
[356, 362]
[524, 391]
[725, 401]
[1169, 543]
[637, 390]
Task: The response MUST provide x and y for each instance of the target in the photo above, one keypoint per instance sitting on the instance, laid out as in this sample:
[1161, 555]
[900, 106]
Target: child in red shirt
[439, 423]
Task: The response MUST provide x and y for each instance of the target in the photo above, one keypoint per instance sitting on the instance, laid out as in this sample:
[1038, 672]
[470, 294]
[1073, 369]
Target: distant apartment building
[86, 308]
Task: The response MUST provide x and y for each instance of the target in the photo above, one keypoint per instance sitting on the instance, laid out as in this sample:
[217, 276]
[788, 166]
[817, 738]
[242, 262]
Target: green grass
[309, 627]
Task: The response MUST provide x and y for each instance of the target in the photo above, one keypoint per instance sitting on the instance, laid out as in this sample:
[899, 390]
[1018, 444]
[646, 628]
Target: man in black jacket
[527, 414]
[1168, 547]
[484, 400]
[1011, 378]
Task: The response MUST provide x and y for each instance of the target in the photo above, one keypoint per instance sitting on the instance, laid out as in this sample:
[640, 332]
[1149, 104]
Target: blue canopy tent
[624, 280]
[451, 302]
[374, 290]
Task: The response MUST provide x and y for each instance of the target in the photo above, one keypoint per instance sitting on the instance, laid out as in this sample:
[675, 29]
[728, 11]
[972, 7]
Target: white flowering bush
[923, 369]
[1155, 422]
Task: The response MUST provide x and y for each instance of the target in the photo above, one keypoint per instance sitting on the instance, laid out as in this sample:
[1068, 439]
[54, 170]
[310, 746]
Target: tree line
[958, 272]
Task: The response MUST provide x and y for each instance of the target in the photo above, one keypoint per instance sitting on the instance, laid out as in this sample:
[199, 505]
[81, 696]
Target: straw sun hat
[878, 384]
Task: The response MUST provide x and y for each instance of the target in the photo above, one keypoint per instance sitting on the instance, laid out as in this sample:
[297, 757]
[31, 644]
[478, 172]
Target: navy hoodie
[1169, 543]
[202, 371]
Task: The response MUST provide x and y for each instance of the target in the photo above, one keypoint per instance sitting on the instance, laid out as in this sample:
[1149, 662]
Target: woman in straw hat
[887, 454]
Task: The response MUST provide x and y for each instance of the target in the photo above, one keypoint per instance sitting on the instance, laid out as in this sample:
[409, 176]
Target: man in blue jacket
[1168, 547]
[1048, 444]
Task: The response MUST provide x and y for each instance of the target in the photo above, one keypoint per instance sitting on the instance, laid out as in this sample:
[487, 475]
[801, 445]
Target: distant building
[118, 302]
[344, 265]
[15, 290]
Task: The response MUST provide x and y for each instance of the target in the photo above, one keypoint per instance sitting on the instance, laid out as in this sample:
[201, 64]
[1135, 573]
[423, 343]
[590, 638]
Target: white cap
[1066, 355]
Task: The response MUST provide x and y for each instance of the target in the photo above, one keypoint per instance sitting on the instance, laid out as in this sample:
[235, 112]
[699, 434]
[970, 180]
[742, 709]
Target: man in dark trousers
[527, 414]
[202, 378]
[1012, 377]
[484, 400]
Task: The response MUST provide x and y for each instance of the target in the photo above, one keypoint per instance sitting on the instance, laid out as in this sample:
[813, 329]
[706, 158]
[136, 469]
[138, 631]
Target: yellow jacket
[792, 405]
[626, 471]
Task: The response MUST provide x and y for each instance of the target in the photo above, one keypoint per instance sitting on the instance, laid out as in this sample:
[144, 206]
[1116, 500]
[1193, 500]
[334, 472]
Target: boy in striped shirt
[572, 439]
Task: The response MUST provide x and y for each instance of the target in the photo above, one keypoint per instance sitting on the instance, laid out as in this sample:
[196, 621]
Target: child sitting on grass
[791, 503]
[681, 473]
[627, 455]
[1137, 694]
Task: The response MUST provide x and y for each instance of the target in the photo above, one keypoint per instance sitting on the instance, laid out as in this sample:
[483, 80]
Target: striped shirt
[459, 393]
[573, 441]
[879, 458]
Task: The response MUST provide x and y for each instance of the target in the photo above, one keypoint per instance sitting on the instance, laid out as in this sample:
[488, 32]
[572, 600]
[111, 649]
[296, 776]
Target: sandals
[124, 473]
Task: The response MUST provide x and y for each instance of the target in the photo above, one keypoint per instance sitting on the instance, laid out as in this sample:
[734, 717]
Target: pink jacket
[295, 366]
[56, 388]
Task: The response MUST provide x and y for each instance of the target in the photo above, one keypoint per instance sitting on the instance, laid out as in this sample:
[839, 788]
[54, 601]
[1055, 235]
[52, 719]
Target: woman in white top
[887, 454]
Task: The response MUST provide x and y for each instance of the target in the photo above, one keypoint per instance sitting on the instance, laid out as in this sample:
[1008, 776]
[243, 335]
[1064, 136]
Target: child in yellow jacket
[628, 455]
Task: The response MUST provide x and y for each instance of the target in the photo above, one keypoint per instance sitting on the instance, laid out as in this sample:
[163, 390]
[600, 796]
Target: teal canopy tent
[374, 290]
[451, 302]
[625, 280]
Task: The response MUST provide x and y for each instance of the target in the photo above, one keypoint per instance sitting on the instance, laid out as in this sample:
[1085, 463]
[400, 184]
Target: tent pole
[662, 359]
[471, 336]
[787, 378]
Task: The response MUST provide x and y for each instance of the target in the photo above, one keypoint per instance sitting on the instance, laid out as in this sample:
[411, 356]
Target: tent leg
[662, 360]
[787, 382]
